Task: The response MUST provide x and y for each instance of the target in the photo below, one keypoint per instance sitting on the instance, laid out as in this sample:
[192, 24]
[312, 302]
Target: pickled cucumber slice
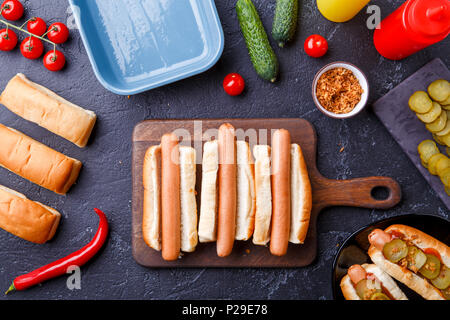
[445, 139]
[443, 279]
[445, 107]
[395, 250]
[438, 140]
[420, 102]
[367, 288]
[439, 90]
[427, 149]
[431, 115]
[446, 102]
[433, 162]
[379, 296]
[446, 129]
[423, 163]
[445, 177]
[441, 165]
[438, 124]
[416, 258]
[446, 293]
[431, 268]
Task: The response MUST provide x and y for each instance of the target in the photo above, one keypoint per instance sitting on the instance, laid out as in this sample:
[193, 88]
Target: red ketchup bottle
[415, 25]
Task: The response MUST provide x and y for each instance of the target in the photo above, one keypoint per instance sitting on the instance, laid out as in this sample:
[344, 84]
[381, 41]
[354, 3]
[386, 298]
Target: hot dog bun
[349, 291]
[170, 197]
[245, 219]
[263, 191]
[151, 221]
[189, 236]
[404, 275]
[36, 162]
[207, 227]
[37, 104]
[27, 219]
[226, 227]
[281, 192]
[301, 197]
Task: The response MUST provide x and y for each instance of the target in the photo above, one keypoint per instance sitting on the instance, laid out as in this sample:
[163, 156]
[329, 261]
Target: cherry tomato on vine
[54, 60]
[58, 33]
[32, 48]
[233, 84]
[12, 10]
[316, 46]
[37, 26]
[8, 39]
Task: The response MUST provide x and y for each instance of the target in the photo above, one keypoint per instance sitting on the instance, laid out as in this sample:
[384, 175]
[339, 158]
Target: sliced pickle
[395, 250]
[445, 139]
[438, 124]
[443, 279]
[445, 106]
[420, 102]
[445, 103]
[431, 268]
[445, 177]
[438, 139]
[416, 258]
[432, 115]
[439, 90]
[441, 165]
[379, 296]
[367, 288]
[446, 293]
[427, 149]
[446, 129]
[433, 162]
[423, 164]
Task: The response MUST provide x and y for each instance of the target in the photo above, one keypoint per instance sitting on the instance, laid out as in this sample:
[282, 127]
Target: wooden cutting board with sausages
[325, 192]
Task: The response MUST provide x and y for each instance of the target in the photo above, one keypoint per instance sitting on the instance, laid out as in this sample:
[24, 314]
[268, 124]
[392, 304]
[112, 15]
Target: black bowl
[354, 249]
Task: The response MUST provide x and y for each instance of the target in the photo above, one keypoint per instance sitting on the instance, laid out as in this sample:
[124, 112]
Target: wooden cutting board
[403, 124]
[326, 192]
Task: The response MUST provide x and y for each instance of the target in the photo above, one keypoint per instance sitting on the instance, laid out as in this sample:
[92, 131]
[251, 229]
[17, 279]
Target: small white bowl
[362, 81]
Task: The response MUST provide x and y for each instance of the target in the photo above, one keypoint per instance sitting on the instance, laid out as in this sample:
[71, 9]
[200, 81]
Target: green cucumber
[285, 21]
[261, 53]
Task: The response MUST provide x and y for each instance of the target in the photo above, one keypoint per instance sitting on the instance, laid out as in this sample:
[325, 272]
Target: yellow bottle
[340, 10]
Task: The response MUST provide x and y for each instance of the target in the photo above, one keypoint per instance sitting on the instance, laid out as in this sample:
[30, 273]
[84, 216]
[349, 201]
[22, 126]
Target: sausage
[281, 192]
[170, 197]
[356, 273]
[226, 225]
[378, 238]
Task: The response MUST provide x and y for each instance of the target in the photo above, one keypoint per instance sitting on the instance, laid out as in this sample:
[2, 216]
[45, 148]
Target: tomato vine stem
[31, 34]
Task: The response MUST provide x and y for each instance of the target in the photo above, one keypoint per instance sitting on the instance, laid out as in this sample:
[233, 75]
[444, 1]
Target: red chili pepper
[59, 267]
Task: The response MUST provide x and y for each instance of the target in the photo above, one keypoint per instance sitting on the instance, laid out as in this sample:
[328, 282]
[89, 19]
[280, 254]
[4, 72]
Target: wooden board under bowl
[326, 192]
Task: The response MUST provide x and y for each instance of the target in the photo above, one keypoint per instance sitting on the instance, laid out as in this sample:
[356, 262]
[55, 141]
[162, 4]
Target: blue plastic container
[137, 45]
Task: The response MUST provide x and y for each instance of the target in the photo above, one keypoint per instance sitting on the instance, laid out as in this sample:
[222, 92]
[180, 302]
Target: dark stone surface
[105, 180]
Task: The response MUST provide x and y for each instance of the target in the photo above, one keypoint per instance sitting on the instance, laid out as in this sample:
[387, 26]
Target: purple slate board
[393, 111]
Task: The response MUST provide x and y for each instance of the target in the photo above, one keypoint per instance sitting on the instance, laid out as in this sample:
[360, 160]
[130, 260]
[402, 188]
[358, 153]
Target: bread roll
[151, 221]
[27, 219]
[246, 206]
[263, 192]
[36, 162]
[301, 197]
[37, 104]
[189, 236]
[207, 228]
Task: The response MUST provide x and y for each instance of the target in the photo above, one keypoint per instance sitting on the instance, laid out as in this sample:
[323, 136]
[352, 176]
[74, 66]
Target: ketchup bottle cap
[430, 17]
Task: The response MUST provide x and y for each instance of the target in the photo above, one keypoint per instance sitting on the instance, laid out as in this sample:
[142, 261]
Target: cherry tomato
[8, 40]
[54, 60]
[233, 84]
[316, 46]
[31, 47]
[58, 33]
[37, 26]
[12, 10]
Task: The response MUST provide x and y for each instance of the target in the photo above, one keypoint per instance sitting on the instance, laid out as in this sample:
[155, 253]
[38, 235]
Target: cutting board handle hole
[380, 193]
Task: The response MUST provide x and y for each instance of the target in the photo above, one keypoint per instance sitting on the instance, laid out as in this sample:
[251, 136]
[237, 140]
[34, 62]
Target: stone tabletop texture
[353, 148]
